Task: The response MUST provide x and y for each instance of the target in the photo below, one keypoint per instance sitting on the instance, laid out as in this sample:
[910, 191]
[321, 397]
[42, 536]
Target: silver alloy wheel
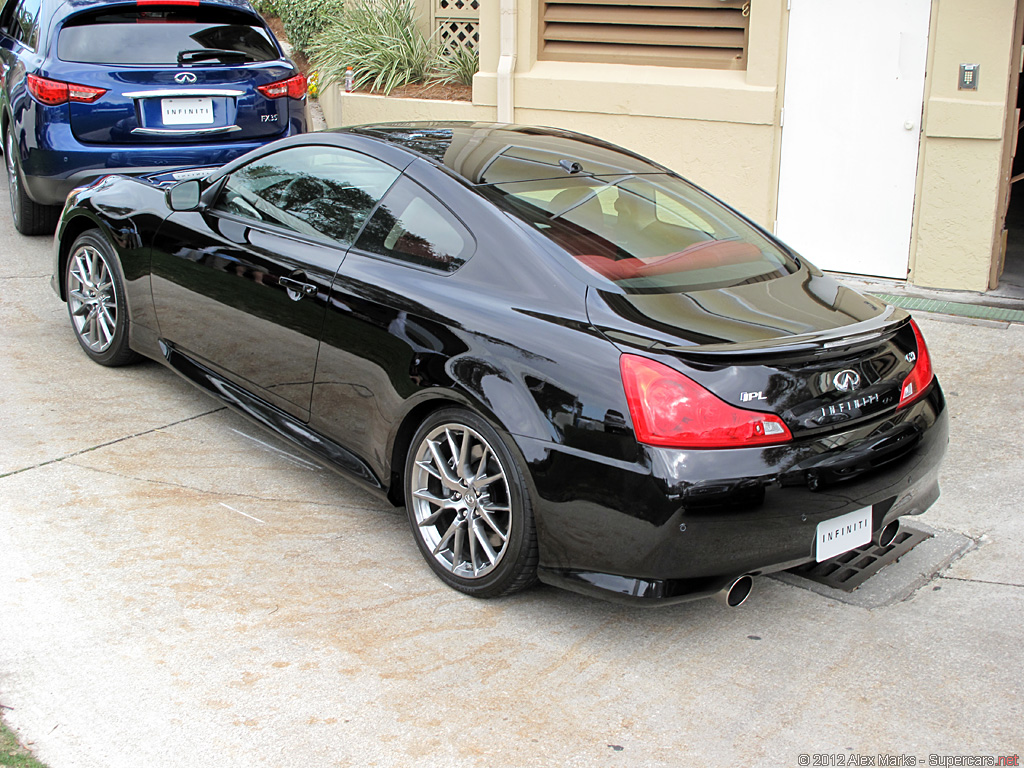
[461, 501]
[91, 298]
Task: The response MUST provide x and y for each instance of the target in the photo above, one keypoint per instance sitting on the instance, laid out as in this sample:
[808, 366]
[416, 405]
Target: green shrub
[303, 20]
[457, 63]
[266, 7]
[380, 40]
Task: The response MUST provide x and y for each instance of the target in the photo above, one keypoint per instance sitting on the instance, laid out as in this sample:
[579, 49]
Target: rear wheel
[469, 507]
[96, 304]
[30, 218]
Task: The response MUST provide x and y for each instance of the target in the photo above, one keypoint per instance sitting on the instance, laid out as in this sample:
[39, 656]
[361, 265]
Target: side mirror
[184, 196]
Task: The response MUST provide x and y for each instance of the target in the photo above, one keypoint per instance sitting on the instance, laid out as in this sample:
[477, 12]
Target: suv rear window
[192, 36]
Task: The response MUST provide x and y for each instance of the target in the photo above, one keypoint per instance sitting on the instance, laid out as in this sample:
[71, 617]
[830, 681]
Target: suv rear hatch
[176, 73]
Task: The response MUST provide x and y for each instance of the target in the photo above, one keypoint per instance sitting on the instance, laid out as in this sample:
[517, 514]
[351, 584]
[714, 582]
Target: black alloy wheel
[469, 507]
[96, 304]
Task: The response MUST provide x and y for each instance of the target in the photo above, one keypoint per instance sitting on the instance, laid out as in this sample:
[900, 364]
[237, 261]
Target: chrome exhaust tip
[887, 534]
[736, 593]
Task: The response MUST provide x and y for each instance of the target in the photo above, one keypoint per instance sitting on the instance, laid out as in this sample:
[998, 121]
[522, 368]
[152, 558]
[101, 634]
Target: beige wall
[720, 128]
[342, 108]
[958, 214]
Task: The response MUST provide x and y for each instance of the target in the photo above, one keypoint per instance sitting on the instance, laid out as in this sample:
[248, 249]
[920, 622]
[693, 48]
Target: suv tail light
[921, 374]
[672, 410]
[293, 87]
[55, 92]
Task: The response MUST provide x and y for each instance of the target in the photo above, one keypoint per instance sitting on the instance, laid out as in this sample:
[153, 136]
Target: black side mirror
[185, 195]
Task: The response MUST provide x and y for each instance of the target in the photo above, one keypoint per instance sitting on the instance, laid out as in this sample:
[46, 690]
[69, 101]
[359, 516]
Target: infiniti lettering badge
[185, 78]
[846, 381]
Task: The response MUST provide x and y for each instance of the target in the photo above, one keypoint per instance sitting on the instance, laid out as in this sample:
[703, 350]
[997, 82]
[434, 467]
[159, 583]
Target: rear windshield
[176, 37]
[646, 233]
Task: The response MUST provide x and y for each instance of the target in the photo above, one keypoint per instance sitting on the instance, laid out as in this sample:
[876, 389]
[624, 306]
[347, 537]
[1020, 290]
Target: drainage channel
[959, 309]
[875, 576]
[851, 569]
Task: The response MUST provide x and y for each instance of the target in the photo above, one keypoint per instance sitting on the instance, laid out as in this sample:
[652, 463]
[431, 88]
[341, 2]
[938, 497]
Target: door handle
[297, 288]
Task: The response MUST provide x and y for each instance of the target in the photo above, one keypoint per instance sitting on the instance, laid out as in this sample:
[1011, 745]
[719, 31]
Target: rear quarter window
[182, 36]
[413, 226]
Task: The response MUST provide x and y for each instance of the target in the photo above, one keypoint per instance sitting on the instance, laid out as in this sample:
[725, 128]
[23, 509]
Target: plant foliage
[302, 19]
[380, 40]
[457, 63]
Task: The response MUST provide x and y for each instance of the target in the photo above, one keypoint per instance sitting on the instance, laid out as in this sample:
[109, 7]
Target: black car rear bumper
[679, 525]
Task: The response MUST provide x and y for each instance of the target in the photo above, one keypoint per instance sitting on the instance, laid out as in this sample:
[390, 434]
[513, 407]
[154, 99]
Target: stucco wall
[960, 171]
[342, 108]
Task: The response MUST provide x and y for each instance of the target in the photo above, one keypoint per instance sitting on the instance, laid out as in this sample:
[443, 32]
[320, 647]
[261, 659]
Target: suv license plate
[843, 533]
[187, 111]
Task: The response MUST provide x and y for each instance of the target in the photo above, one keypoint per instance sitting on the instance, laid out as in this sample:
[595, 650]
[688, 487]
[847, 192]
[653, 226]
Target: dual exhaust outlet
[737, 592]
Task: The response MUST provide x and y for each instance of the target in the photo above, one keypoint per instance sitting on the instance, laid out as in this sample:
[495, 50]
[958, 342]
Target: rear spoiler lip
[865, 333]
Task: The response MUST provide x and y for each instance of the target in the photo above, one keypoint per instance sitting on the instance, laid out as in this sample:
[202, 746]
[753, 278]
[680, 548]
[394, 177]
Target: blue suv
[94, 87]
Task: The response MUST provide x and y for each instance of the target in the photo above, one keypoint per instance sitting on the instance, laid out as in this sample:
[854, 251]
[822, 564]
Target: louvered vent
[697, 33]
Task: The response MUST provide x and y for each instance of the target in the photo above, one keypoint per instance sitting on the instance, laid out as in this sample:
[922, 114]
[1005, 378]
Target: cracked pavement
[178, 587]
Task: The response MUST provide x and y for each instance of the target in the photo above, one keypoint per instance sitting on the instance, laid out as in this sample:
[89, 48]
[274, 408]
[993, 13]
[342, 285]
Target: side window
[318, 191]
[411, 225]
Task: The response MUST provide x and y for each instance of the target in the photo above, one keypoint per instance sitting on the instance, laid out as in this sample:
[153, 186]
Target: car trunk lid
[802, 347]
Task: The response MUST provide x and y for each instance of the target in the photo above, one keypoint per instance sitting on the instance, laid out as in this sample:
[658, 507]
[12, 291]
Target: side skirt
[274, 419]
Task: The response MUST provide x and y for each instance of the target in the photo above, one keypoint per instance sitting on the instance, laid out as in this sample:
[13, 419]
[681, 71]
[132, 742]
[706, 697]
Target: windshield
[645, 233]
[173, 37]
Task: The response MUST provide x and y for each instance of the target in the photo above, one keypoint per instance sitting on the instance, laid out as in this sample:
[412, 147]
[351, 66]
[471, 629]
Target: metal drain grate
[851, 569]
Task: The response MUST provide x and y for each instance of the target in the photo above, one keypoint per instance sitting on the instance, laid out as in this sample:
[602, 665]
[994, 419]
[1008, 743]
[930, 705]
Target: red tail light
[672, 410]
[294, 87]
[921, 374]
[54, 92]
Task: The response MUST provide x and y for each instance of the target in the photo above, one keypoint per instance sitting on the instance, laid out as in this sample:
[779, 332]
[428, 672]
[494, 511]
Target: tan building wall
[957, 232]
[720, 128]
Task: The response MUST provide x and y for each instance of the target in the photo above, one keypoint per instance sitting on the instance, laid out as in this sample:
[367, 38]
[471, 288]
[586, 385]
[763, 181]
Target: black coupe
[568, 363]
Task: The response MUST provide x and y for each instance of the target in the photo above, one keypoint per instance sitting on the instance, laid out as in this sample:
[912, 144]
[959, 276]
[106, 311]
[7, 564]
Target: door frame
[1011, 137]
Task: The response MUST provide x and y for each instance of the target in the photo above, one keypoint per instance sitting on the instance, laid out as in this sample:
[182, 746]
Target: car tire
[30, 218]
[96, 302]
[469, 506]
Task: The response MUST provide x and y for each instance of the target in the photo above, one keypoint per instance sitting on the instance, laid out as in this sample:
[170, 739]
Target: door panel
[247, 301]
[851, 128]
[243, 285]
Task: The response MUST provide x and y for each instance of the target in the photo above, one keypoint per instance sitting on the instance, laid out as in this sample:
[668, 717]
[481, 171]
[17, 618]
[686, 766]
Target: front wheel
[469, 507]
[96, 304]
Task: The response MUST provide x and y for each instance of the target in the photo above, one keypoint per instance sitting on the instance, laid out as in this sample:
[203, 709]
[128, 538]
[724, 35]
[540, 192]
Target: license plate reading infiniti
[187, 111]
[843, 533]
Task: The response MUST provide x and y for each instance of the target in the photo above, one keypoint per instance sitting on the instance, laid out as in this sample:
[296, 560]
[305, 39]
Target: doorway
[850, 132]
[1011, 281]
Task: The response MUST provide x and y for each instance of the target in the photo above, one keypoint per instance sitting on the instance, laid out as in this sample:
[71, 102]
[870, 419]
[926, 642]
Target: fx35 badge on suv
[92, 87]
[567, 362]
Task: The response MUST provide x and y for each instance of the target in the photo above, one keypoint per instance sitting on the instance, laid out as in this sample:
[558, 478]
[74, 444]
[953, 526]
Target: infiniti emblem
[846, 381]
[185, 78]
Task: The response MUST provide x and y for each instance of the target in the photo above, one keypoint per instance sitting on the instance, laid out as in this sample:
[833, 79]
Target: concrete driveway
[178, 588]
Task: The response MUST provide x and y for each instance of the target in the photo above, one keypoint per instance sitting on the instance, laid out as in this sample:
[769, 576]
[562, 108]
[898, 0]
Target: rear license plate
[187, 111]
[843, 533]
